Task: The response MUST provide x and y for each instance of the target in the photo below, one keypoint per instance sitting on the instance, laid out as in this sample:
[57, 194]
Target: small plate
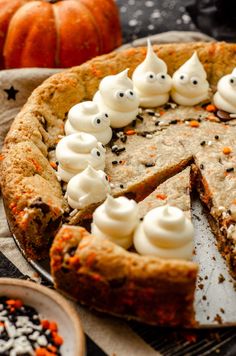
[52, 306]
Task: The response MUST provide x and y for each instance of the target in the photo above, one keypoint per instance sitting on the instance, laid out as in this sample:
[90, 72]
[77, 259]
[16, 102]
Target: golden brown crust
[106, 277]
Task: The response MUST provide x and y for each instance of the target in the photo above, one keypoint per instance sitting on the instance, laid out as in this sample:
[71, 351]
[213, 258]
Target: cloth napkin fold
[15, 87]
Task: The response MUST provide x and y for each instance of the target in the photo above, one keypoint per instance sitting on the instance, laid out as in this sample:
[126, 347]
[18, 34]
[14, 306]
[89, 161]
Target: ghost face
[96, 157]
[100, 122]
[152, 83]
[189, 85]
[119, 97]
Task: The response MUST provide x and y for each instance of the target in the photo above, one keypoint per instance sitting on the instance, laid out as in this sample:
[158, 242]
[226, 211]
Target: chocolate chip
[223, 115]
[39, 204]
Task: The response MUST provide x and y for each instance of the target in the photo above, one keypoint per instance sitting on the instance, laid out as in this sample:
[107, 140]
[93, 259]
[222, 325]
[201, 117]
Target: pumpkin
[56, 33]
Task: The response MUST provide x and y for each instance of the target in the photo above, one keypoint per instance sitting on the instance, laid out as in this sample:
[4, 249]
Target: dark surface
[141, 18]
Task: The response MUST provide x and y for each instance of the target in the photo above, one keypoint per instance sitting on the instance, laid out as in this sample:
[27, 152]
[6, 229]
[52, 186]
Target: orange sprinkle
[52, 326]
[53, 165]
[227, 150]
[1, 157]
[211, 108]
[1, 323]
[52, 348]
[45, 323]
[234, 201]
[16, 303]
[161, 112]
[194, 123]
[161, 196]
[130, 132]
[37, 166]
[57, 339]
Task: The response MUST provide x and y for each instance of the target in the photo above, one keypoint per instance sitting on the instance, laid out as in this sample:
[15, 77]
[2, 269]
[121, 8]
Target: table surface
[141, 18]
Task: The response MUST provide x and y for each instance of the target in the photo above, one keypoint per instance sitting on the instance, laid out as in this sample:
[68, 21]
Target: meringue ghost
[88, 187]
[86, 117]
[76, 151]
[225, 97]
[189, 83]
[151, 81]
[116, 220]
[117, 98]
[166, 233]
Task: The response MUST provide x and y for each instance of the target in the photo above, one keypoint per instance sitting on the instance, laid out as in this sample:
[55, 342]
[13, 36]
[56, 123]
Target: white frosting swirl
[190, 86]
[117, 98]
[87, 187]
[225, 97]
[76, 151]
[166, 233]
[151, 81]
[116, 220]
[86, 117]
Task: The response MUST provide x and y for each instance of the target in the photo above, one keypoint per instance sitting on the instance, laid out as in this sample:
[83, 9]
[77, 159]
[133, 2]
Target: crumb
[201, 286]
[222, 310]
[221, 278]
[218, 319]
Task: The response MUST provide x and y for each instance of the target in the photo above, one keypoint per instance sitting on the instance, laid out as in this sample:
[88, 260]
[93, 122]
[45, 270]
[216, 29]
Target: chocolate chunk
[39, 204]
[223, 115]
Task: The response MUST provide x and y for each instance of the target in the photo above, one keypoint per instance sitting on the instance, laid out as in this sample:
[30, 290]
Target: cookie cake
[104, 156]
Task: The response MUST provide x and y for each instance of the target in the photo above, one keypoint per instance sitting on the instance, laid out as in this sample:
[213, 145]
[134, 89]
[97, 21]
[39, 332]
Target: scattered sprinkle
[216, 137]
[211, 108]
[227, 150]
[201, 166]
[130, 132]
[73, 212]
[231, 169]
[194, 123]
[203, 143]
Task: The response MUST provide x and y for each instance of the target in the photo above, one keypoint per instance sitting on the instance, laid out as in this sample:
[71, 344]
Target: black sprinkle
[141, 219]
[201, 166]
[151, 113]
[157, 123]
[121, 186]
[123, 139]
[229, 212]
[199, 120]
[231, 169]
[173, 122]
[203, 143]
[114, 162]
[134, 123]
[149, 165]
[139, 117]
[216, 137]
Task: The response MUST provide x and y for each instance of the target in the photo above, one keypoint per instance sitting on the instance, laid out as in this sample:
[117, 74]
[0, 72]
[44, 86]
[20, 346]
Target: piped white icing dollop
[225, 97]
[151, 81]
[86, 117]
[76, 151]
[117, 98]
[166, 233]
[88, 187]
[116, 220]
[190, 85]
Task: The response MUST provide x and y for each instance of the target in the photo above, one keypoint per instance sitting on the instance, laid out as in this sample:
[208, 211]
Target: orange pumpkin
[56, 33]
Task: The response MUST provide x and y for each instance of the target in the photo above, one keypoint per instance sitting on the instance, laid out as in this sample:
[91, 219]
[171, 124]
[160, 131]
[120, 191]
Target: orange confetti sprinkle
[53, 326]
[194, 123]
[161, 196]
[227, 150]
[53, 165]
[211, 108]
[130, 132]
[1, 157]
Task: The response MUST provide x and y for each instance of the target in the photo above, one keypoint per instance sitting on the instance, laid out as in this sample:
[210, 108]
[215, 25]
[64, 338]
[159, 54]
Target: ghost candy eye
[161, 77]
[96, 153]
[96, 121]
[150, 77]
[183, 78]
[130, 94]
[194, 81]
[119, 95]
[232, 81]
